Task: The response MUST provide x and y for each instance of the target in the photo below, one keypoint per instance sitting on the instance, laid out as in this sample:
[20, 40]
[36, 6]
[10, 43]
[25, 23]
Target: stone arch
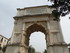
[34, 28]
[33, 19]
[41, 23]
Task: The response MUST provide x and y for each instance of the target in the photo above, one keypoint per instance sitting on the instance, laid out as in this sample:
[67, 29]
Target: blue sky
[8, 11]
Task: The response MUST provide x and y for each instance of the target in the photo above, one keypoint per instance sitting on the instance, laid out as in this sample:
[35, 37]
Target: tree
[45, 51]
[4, 48]
[31, 49]
[0, 48]
[62, 7]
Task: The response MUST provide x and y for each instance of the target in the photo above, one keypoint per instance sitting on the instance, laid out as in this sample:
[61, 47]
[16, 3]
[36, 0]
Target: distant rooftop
[3, 36]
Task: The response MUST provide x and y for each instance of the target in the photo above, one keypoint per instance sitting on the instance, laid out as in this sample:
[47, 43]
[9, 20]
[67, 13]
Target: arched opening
[37, 40]
[35, 28]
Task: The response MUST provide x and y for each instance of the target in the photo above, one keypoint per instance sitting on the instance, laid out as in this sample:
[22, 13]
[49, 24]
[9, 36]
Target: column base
[58, 48]
[11, 49]
[16, 48]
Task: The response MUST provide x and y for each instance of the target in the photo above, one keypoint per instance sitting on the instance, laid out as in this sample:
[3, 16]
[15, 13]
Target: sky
[8, 11]
[37, 40]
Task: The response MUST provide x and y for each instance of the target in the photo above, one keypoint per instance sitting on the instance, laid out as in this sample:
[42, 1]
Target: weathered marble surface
[29, 20]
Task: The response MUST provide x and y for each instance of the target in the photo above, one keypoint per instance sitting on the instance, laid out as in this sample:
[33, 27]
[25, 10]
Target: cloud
[65, 25]
[6, 24]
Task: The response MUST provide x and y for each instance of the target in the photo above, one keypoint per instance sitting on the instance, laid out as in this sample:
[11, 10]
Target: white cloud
[65, 26]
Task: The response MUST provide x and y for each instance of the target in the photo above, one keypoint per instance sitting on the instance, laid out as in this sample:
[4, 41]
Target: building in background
[3, 41]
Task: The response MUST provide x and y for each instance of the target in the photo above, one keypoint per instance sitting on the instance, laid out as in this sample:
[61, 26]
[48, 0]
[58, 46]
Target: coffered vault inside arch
[34, 28]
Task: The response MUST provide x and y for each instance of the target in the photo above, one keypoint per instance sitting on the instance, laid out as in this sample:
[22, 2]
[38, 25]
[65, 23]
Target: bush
[4, 48]
[0, 48]
[31, 50]
[45, 51]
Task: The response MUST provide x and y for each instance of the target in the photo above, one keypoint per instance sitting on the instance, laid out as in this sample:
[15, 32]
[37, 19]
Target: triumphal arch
[31, 19]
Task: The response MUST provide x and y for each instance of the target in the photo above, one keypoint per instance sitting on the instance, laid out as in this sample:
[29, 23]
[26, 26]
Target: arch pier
[31, 19]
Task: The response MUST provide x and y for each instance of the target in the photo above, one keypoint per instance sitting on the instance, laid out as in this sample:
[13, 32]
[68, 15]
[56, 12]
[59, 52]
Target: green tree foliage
[45, 51]
[62, 7]
[0, 48]
[4, 48]
[31, 49]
